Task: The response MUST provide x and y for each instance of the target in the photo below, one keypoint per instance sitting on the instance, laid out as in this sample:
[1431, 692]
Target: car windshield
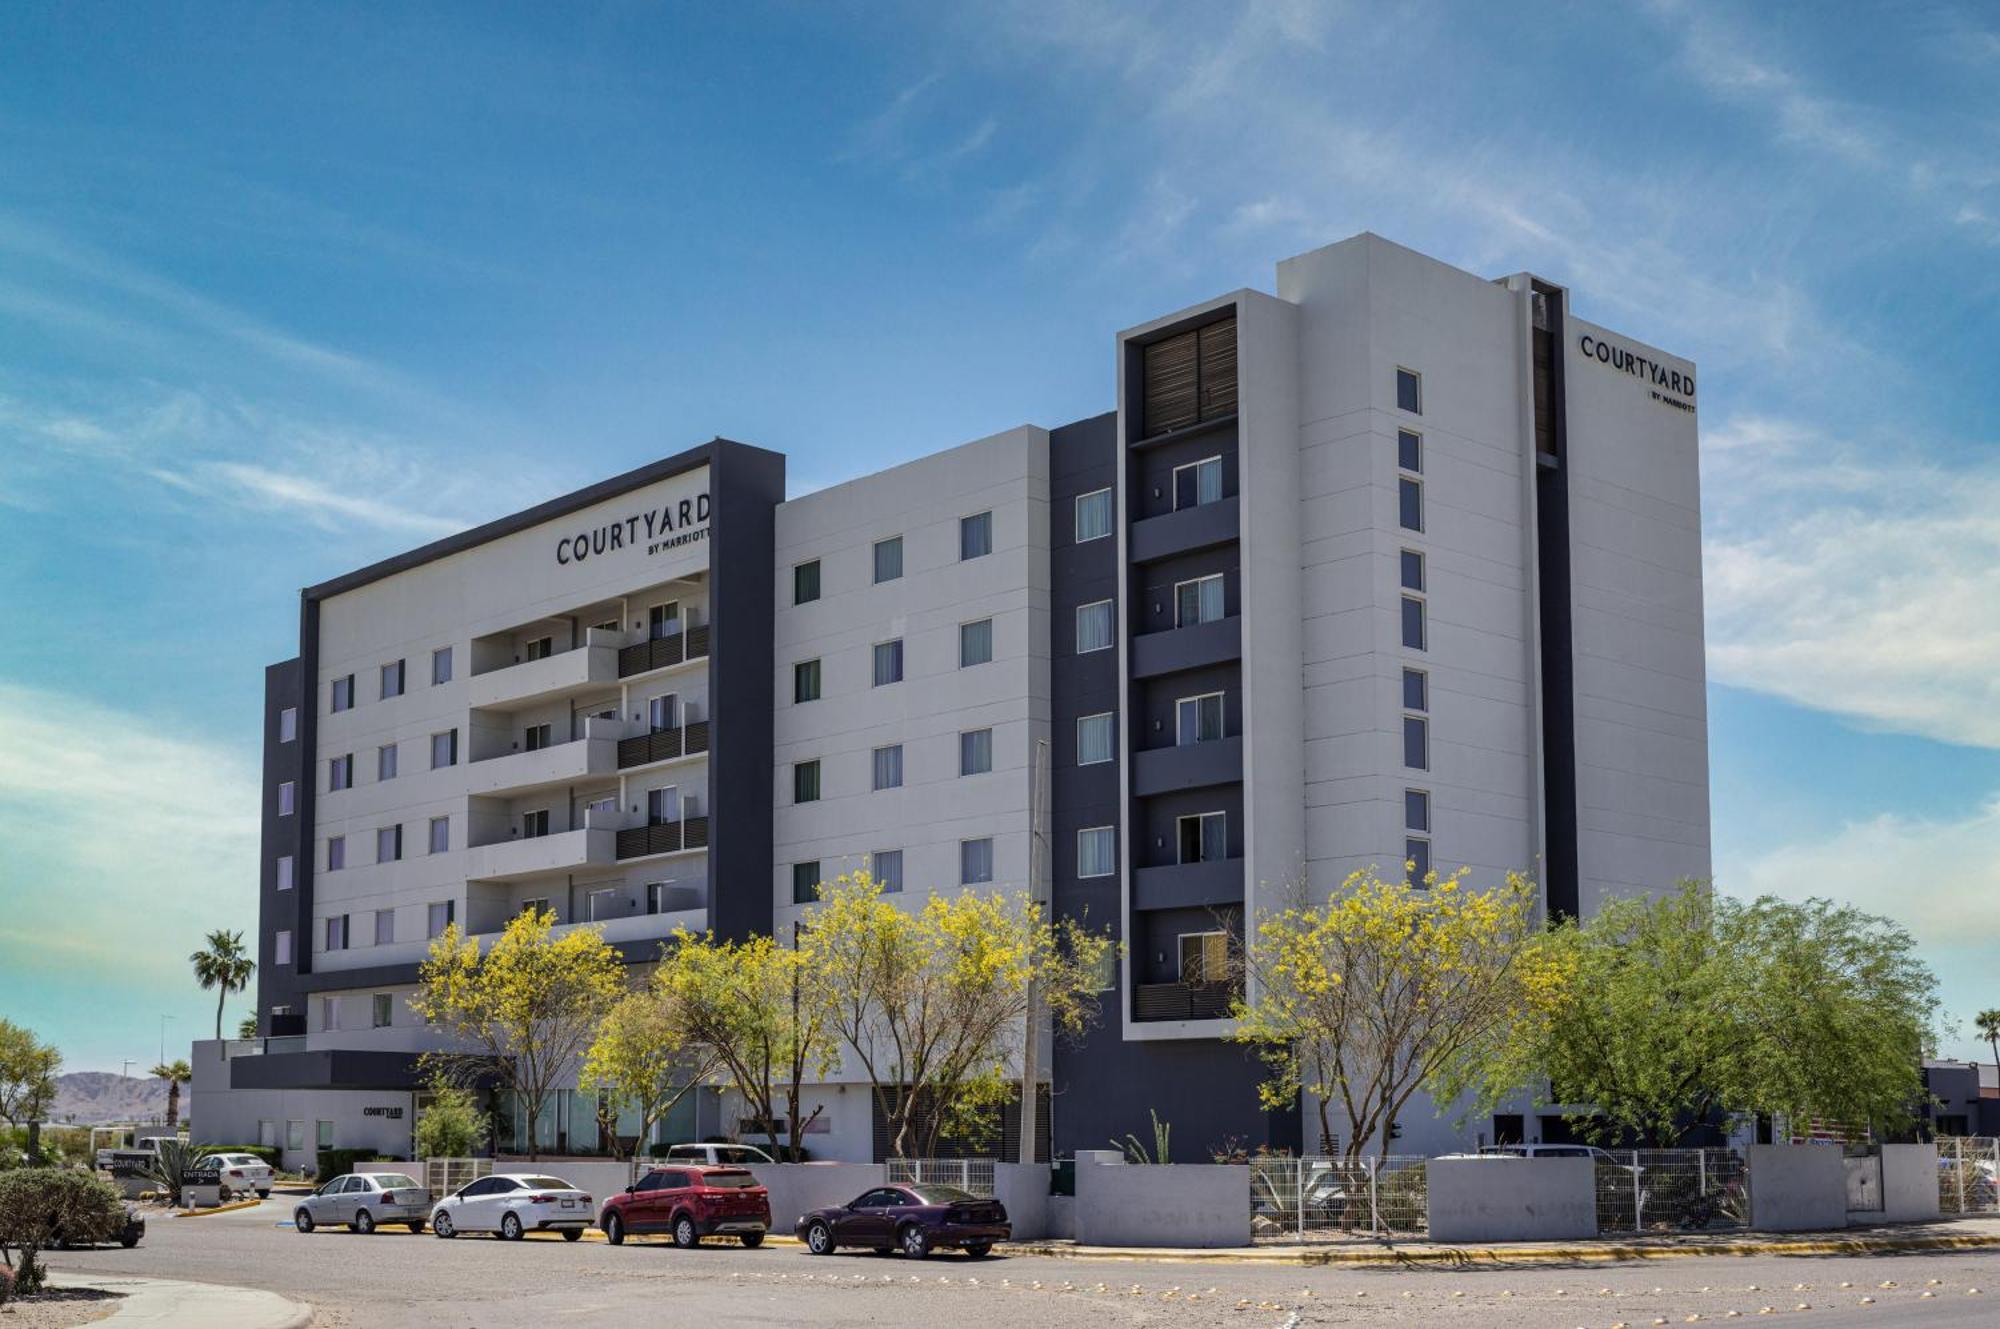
[740, 1155]
[395, 1181]
[940, 1194]
[546, 1183]
[734, 1181]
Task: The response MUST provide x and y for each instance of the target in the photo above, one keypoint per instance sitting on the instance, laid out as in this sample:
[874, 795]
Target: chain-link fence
[1671, 1190]
[974, 1176]
[1968, 1174]
[1331, 1199]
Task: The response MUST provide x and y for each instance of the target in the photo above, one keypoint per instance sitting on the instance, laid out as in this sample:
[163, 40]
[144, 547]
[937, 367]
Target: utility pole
[1031, 1042]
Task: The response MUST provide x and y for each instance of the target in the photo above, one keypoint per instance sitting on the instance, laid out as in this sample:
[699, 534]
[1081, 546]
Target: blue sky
[284, 289]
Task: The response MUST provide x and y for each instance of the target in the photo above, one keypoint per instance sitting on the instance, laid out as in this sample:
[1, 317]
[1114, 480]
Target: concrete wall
[1909, 1183]
[1511, 1199]
[1796, 1187]
[1175, 1204]
[1024, 1189]
[797, 1188]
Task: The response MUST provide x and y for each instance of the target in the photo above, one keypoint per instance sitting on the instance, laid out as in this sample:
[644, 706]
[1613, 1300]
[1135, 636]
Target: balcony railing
[664, 744]
[660, 652]
[1184, 1001]
[667, 838]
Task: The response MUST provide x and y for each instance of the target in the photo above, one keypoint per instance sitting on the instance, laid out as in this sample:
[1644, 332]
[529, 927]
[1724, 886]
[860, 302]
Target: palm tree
[1989, 1029]
[176, 1074]
[225, 966]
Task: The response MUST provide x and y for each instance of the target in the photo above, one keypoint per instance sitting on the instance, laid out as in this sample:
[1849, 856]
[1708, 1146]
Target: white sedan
[244, 1172]
[514, 1204]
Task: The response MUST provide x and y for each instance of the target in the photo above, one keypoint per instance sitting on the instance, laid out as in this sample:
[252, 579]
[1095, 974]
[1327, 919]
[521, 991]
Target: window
[385, 927]
[295, 1135]
[442, 915]
[1104, 973]
[324, 1134]
[805, 583]
[1410, 450]
[384, 1007]
[1204, 837]
[343, 693]
[388, 843]
[887, 868]
[1416, 743]
[441, 665]
[600, 904]
[1094, 737]
[805, 882]
[805, 782]
[285, 796]
[1416, 810]
[288, 724]
[444, 749]
[392, 679]
[975, 536]
[975, 643]
[284, 872]
[1413, 623]
[281, 947]
[1190, 377]
[1416, 690]
[805, 681]
[663, 806]
[662, 713]
[663, 620]
[340, 772]
[385, 762]
[888, 662]
[336, 933]
[888, 559]
[1413, 570]
[1198, 601]
[336, 852]
[1096, 851]
[1093, 627]
[888, 764]
[1198, 719]
[537, 736]
[1417, 860]
[1197, 483]
[975, 752]
[538, 648]
[975, 861]
[535, 824]
[1093, 515]
[440, 835]
[1410, 503]
[1204, 957]
[1409, 391]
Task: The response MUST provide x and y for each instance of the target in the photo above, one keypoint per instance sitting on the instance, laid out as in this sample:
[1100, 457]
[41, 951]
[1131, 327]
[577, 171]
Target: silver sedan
[360, 1200]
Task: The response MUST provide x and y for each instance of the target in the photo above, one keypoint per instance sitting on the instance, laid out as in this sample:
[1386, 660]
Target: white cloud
[330, 508]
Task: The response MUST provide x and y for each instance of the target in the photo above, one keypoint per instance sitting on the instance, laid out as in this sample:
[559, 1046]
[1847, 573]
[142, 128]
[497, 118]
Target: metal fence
[1332, 1199]
[971, 1175]
[1968, 1174]
[442, 1176]
[1671, 1190]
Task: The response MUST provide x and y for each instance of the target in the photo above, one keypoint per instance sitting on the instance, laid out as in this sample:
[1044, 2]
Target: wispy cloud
[258, 486]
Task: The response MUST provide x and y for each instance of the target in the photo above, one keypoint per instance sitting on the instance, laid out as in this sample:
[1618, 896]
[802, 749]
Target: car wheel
[914, 1241]
[417, 1226]
[978, 1249]
[752, 1240]
[686, 1235]
[614, 1229]
[819, 1239]
[129, 1240]
[572, 1234]
[510, 1227]
[263, 1195]
[441, 1225]
[364, 1223]
[303, 1220]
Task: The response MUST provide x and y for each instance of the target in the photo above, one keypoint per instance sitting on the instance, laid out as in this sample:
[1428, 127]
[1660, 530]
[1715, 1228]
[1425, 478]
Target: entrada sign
[1662, 379]
[663, 528]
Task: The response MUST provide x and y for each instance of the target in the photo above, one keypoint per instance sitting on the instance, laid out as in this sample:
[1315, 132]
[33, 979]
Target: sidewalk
[158, 1303]
[1960, 1234]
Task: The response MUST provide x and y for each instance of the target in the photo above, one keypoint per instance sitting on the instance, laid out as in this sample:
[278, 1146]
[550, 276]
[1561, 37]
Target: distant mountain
[94, 1098]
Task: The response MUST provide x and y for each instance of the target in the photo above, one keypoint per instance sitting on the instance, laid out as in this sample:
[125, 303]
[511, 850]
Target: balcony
[686, 740]
[670, 837]
[1183, 1001]
[1185, 531]
[1189, 766]
[1156, 653]
[564, 851]
[664, 652]
[592, 756]
[515, 687]
[1189, 885]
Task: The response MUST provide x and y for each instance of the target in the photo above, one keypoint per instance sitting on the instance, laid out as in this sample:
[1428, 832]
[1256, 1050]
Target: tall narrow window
[286, 797]
[336, 933]
[1093, 515]
[1198, 483]
[1198, 601]
[1414, 635]
[805, 882]
[1096, 851]
[975, 643]
[1093, 627]
[343, 692]
[975, 861]
[1410, 450]
[384, 1006]
[281, 947]
[1410, 503]
[663, 806]
[1417, 858]
[1198, 719]
[1416, 690]
[664, 620]
[336, 852]
[1416, 743]
[975, 752]
[392, 679]
[288, 724]
[1416, 810]
[388, 843]
[385, 762]
[1095, 735]
[805, 681]
[888, 764]
[340, 772]
[888, 559]
[888, 662]
[805, 781]
[284, 872]
[1189, 377]
[1413, 570]
[886, 866]
[1204, 837]
[662, 713]
[440, 916]
[1409, 391]
[975, 536]
[385, 927]
[441, 665]
[444, 749]
[805, 583]
[440, 835]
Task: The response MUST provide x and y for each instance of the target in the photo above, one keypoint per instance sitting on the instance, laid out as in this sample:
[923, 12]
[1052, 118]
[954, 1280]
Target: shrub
[452, 1126]
[40, 1205]
[334, 1162]
[172, 1161]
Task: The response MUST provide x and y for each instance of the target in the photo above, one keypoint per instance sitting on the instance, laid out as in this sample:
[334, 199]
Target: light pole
[127, 1072]
[163, 1038]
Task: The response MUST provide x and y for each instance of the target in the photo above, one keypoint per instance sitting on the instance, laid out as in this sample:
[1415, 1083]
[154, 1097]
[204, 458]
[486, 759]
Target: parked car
[244, 1172]
[719, 1155]
[514, 1204]
[912, 1219]
[1601, 1156]
[130, 1235]
[691, 1202]
[361, 1200]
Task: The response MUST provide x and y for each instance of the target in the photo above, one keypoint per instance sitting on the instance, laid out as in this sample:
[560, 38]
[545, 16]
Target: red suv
[691, 1202]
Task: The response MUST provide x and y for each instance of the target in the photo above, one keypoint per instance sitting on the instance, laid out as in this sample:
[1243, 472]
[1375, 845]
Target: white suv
[719, 1155]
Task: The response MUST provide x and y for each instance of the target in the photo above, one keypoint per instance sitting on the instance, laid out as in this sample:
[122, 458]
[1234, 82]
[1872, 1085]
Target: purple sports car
[912, 1219]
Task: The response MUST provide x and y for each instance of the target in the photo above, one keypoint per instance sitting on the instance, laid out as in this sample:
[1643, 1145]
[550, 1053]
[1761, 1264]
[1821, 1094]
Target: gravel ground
[394, 1279]
[59, 1309]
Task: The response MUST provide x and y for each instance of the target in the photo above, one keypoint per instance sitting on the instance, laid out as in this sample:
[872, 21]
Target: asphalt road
[395, 1279]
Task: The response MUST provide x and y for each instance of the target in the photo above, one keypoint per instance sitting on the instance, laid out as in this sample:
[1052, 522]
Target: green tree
[1988, 1023]
[642, 1059]
[247, 1026]
[224, 966]
[176, 1074]
[529, 1008]
[28, 1069]
[451, 1125]
[1666, 1013]
[40, 1205]
[1384, 989]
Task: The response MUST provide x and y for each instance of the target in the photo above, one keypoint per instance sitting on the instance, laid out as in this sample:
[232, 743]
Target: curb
[229, 1208]
[164, 1302]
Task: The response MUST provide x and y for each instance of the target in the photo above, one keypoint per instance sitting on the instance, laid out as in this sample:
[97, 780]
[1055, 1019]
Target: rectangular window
[441, 665]
[336, 852]
[340, 772]
[805, 681]
[1093, 627]
[392, 679]
[385, 927]
[343, 693]
[1093, 515]
[1095, 735]
[1189, 378]
[888, 559]
[1198, 719]
[535, 825]
[663, 620]
[1410, 503]
[1409, 391]
[1413, 570]
[539, 648]
[441, 915]
[1413, 623]
[663, 806]
[1204, 837]
[975, 536]
[385, 762]
[886, 866]
[288, 724]
[1410, 450]
[281, 947]
[805, 583]
[384, 1007]
[440, 835]
[805, 882]
[975, 861]
[284, 872]
[805, 782]
[888, 763]
[324, 1134]
[336, 933]
[1416, 743]
[286, 794]
[295, 1135]
[888, 662]
[444, 749]
[601, 904]
[1416, 810]
[1198, 601]
[1198, 483]
[538, 736]
[1096, 851]
[388, 843]
[975, 752]
[1204, 957]
[662, 713]
[1416, 690]
[975, 643]
[537, 906]
[1417, 860]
